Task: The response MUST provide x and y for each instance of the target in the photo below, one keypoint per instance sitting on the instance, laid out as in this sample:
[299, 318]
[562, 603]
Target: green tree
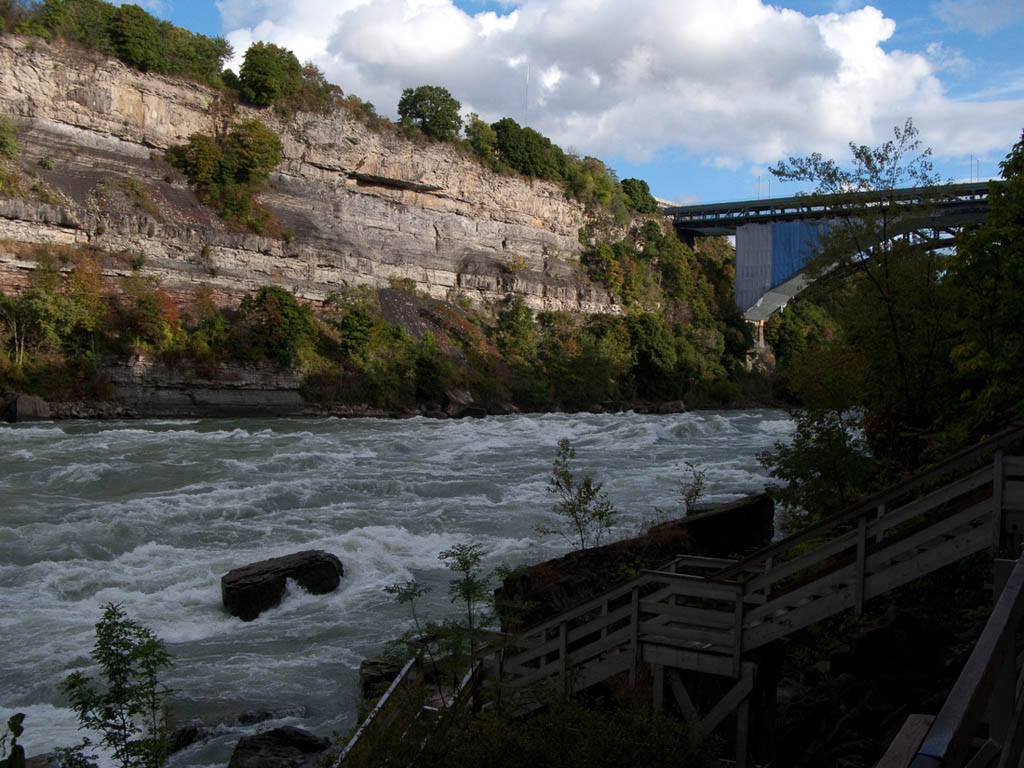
[891, 292]
[638, 193]
[987, 278]
[585, 513]
[432, 109]
[275, 325]
[129, 708]
[138, 39]
[481, 137]
[268, 73]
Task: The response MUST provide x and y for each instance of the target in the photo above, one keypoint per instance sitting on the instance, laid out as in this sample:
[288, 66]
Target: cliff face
[365, 206]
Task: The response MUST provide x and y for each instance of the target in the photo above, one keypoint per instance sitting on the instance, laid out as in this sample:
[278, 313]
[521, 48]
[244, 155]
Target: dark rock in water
[375, 675]
[250, 590]
[47, 760]
[188, 735]
[285, 747]
[26, 408]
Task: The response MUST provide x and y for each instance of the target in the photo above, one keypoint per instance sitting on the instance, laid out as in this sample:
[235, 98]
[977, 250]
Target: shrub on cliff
[228, 170]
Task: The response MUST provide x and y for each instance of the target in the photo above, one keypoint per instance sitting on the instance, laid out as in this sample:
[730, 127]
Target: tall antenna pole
[526, 96]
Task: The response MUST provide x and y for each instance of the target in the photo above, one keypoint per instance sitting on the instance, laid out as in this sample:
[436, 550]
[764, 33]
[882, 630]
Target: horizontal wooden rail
[950, 735]
[818, 530]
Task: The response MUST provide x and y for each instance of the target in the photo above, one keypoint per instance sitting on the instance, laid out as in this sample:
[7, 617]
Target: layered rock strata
[366, 206]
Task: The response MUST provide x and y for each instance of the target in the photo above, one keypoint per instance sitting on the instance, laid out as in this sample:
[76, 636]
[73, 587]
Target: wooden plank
[903, 748]
[807, 560]
[730, 701]
[701, 617]
[858, 584]
[530, 675]
[961, 458]
[682, 634]
[1013, 495]
[682, 658]
[692, 586]
[679, 692]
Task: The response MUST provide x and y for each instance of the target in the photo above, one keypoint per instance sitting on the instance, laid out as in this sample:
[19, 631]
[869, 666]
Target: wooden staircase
[711, 616]
[708, 615]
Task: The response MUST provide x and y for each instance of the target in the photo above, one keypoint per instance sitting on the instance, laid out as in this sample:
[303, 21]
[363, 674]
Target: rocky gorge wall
[365, 206]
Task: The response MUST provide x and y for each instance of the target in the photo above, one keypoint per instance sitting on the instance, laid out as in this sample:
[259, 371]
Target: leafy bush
[639, 195]
[228, 170]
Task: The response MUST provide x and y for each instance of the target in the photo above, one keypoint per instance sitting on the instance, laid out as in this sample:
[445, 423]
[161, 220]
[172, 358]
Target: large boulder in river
[285, 747]
[250, 590]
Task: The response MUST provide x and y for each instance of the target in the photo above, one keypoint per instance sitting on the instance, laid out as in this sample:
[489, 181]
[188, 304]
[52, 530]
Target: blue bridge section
[772, 254]
[776, 238]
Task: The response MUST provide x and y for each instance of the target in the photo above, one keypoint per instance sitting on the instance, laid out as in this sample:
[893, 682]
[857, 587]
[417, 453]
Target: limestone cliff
[366, 206]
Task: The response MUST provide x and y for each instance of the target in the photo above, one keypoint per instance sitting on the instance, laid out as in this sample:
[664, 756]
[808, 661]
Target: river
[151, 514]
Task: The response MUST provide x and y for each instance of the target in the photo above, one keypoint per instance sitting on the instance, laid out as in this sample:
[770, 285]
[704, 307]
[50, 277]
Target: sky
[697, 97]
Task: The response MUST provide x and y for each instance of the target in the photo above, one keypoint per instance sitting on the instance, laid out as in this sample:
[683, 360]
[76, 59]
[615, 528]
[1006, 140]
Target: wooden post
[997, 502]
[737, 653]
[563, 652]
[858, 584]
[658, 671]
[635, 623]
[879, 514]
[743, 733]
[999, 714]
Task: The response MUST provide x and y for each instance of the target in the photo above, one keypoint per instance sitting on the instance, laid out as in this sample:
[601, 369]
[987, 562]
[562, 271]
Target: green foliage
[481, 138]
[138, 39]
[987, 276]
[275, 326]
[825, 467]
[567, 733]
[432, 109]
[639, 195]
[13, 756]
[131, 34]
[586, 514]
[268, 73]
[129, 707]
[526, 151]
[228, 170]
[8, 139]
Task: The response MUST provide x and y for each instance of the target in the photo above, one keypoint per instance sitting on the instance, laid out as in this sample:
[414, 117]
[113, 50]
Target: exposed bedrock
[365, 206]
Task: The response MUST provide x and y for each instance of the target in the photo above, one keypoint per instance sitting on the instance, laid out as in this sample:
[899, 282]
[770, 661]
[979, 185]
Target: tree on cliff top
[432, 109]
[268, 73]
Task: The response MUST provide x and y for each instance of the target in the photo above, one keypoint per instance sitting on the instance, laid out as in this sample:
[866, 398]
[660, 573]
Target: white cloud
[980, 16]
[733, 80]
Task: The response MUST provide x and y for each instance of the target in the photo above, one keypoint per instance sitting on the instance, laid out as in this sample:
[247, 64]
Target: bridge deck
[951, 200]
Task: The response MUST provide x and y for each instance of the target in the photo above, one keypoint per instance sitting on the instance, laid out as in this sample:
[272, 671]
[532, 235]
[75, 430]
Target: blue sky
[698, 97]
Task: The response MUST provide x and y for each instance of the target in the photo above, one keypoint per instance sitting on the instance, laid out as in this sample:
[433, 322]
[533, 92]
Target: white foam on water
[152, 514]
